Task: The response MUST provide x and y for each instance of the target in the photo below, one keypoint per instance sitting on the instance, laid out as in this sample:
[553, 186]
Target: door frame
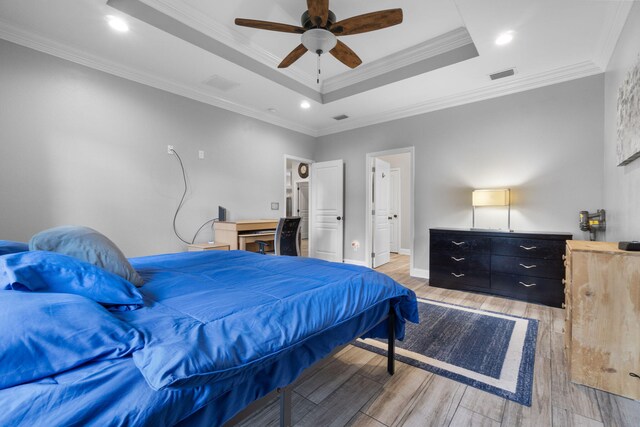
[399, 222]
[283, 210]
[296, 199]
[368, 240]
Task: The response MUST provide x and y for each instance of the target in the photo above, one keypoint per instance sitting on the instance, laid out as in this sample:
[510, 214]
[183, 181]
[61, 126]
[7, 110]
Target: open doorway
[389, 211]
[296, 195]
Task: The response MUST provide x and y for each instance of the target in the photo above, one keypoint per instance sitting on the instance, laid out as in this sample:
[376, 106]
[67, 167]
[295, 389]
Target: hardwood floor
[353, 388]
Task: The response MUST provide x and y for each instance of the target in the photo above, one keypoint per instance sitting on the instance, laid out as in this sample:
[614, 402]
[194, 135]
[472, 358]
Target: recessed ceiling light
[504, 38]
[117, 24]
[305, 105]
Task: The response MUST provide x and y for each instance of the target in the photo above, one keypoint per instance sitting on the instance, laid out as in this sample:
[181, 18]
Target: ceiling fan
[319, 30]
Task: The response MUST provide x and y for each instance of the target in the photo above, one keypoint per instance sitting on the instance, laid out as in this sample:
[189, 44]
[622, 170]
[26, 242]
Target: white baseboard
[354, 262]
[419, 272]
[404, 251]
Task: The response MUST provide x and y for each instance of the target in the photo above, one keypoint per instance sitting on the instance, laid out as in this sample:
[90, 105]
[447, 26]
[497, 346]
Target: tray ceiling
[441, 55]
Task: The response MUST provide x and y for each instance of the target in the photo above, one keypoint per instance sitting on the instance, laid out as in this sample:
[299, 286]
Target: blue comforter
[213, 321]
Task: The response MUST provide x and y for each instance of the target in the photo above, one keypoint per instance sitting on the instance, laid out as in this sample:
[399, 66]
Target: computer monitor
[222, 214]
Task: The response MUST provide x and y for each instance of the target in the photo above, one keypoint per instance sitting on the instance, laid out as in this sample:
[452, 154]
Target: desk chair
[287, 238]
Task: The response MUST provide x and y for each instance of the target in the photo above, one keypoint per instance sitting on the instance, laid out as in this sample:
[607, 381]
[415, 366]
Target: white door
[394, 211]
[303, 208]
[381, 226]
[327, 211]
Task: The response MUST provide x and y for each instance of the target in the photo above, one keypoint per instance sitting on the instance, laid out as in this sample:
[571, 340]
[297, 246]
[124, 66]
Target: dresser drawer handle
[527, 285]
[458, 275]
[528, 266]
[634, 375]
[457, 259]
[458, 243]
[530, 248]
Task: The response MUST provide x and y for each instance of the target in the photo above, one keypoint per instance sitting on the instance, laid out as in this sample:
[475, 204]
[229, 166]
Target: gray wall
[544, 144]
[78, 146]
[621, 184]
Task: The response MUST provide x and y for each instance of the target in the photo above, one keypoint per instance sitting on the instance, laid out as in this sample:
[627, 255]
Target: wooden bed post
[391, 350]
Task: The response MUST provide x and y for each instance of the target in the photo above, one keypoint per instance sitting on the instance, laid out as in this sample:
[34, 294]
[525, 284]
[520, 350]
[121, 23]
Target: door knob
[339, 218]
[395, 216]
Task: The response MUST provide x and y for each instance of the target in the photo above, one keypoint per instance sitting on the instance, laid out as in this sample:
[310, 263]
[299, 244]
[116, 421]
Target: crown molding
[609, 40]
[420, 52]
[231, 37]
[519, 84]
[28, 39]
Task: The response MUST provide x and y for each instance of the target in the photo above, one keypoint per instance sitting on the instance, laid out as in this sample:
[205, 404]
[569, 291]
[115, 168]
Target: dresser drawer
[460, 244]
[547, 291]
[461, 262]
[528, 248]
[451, 278]
[552, 269]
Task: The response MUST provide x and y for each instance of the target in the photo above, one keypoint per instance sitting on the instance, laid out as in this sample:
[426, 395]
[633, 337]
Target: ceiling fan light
[318, 40]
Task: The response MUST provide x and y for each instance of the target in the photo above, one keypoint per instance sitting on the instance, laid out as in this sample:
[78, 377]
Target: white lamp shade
[318, 40]
[490, 197]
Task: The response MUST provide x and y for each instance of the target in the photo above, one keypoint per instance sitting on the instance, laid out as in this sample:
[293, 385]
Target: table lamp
[501, 197]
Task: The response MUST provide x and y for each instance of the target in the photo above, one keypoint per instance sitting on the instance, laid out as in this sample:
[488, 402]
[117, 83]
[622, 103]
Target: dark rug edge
[524, 387]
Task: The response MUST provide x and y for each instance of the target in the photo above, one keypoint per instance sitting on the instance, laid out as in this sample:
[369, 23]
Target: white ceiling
[554, 41]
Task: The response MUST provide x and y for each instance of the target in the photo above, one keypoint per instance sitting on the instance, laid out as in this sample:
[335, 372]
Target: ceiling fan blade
[367, 22]
[344, 54]
[293, 56]
[271, 26]
[318, 11]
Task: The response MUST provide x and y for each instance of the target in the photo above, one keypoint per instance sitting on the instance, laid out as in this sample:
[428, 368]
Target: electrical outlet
[275, 206]
[201, 154]
[169, 149]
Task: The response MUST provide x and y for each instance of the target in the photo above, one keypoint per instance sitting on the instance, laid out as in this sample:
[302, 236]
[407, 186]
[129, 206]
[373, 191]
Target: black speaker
[222, 214]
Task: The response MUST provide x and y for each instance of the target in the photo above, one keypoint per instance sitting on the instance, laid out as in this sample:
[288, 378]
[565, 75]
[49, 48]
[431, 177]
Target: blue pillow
[88, 245]
[41, 271]
[9, 247]
[45, 334]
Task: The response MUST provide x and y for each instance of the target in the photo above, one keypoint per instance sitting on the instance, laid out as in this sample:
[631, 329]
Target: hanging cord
[211, 221]
[184, 194]
[318, 78]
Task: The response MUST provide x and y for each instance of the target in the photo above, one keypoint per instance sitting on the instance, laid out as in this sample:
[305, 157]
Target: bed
[218, 330]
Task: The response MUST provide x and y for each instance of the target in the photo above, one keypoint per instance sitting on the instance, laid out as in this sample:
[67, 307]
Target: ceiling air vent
[503, 74]
[220, 83]
[341, 117]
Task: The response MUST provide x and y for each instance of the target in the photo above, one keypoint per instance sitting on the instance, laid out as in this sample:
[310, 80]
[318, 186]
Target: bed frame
[284, 393]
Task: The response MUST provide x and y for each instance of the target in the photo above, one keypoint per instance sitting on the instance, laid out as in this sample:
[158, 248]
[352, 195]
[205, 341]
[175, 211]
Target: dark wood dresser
[524, 265]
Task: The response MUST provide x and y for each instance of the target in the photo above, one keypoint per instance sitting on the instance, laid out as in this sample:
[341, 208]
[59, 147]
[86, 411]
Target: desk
[230, 232]
[243, 239]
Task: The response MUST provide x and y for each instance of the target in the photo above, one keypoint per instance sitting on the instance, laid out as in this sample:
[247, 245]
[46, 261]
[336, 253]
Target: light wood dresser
[602, 323]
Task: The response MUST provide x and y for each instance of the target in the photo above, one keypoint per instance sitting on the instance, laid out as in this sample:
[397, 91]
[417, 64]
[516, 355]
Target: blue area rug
[490, 351]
